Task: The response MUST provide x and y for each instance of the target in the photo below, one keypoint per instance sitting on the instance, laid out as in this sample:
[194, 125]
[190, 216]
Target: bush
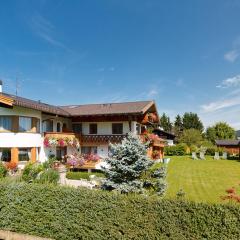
[82, 175]
[49, 176]
[211, 150]
[68, 213]
[3, 170]
[178, 150]
[49, 163]
[31, 171]
[194, 148]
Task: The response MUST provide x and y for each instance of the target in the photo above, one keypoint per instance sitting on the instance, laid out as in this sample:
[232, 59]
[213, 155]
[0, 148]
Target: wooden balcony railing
[101, 138]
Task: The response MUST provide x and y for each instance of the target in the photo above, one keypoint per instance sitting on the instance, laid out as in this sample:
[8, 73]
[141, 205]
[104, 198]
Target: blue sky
[184, 54]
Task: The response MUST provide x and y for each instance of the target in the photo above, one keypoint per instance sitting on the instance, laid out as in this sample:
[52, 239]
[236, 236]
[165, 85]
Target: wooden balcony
[159, 143]
[101, 138]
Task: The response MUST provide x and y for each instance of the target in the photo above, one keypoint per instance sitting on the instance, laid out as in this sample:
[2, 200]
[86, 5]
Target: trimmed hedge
[68, 213]
[82, 175]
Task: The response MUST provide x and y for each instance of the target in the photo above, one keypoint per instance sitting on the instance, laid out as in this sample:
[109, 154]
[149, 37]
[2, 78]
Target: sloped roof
[139, 107]
[37, 105]
[109, 108]
[227, 142]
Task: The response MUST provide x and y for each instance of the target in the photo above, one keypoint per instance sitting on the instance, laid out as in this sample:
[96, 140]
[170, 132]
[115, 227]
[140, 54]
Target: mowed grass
[201, 180]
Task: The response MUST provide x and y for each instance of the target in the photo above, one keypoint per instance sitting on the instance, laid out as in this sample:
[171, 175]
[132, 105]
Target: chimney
[1, 83]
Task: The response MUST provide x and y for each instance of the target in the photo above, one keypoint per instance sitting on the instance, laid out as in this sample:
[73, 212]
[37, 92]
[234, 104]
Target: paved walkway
[73, 183]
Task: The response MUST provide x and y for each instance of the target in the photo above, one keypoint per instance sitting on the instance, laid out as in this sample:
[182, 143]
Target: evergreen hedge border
[68, 213]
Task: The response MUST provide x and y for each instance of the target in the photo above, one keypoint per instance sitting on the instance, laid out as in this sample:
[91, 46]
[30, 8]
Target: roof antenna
[17, 85]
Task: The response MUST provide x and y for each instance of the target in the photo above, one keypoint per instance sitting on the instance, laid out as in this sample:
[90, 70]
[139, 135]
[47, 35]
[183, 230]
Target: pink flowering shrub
[91, 157]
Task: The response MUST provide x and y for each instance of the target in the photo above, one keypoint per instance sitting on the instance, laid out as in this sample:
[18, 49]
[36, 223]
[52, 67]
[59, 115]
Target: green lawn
[201, 180]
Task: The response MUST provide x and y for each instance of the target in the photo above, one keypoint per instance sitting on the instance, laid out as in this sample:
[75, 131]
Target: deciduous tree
[220, 130]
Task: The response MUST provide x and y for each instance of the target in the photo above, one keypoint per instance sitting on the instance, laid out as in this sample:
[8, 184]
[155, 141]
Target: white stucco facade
[10, 139]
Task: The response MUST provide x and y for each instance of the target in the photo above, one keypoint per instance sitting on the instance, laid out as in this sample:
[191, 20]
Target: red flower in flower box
[46, 142]
[61, 142]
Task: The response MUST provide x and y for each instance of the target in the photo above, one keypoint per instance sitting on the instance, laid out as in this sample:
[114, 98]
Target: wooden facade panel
[33, 154]
[14, 155]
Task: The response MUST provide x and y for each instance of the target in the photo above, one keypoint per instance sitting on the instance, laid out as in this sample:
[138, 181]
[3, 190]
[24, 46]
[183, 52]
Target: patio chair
[202, 155]
[216, 156]
[224, 156]
[194, 156]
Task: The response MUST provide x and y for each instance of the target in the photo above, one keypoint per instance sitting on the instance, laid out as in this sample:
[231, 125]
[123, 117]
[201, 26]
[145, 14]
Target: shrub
[178, 150]
[49, 176]
[82, 175]
[31, 171]
[68, 213]
[49, 163]
[211, 150]
[193, 148]
[12, 166]
[3, 170]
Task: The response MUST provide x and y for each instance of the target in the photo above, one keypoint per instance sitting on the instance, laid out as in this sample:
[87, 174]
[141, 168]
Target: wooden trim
[15, 123]
[34, 154]
[14, 155]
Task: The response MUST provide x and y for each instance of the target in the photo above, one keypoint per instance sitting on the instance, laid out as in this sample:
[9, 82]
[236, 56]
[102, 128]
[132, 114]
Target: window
[92, 128]
[138, 128]
[5, 154]
[48, 126]
[24, 154]
[77, 127]
[117, 128]
[58, 127]
[5, 123]
[25, 124]
[89, 150]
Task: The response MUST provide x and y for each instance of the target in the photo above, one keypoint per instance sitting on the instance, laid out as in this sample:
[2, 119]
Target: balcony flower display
[91, 157]
[151, 137]
[61, 142]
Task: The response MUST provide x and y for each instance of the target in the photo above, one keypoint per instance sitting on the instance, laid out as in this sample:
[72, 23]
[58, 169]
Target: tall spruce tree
[178, 126]
[165, 123]
[191, 120]
[127, 163]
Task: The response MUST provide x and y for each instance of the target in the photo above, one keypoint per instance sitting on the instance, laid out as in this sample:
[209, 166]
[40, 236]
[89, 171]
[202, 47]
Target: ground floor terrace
[62, 145]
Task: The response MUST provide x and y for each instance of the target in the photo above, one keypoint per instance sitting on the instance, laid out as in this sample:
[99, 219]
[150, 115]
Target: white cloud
[229, 115]
[232, 55]
[152, 93]
[112, 69]
[45, 30]
[221, 104]
[179, 82]
[230, 82]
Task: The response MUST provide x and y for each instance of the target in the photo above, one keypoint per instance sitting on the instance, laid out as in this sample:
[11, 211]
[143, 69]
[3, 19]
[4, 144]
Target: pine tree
[178, 126]
[191, 120]
[165, 123]
[127, 164]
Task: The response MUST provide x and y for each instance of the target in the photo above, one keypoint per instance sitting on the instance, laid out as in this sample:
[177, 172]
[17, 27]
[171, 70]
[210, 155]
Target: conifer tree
[127, 164]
